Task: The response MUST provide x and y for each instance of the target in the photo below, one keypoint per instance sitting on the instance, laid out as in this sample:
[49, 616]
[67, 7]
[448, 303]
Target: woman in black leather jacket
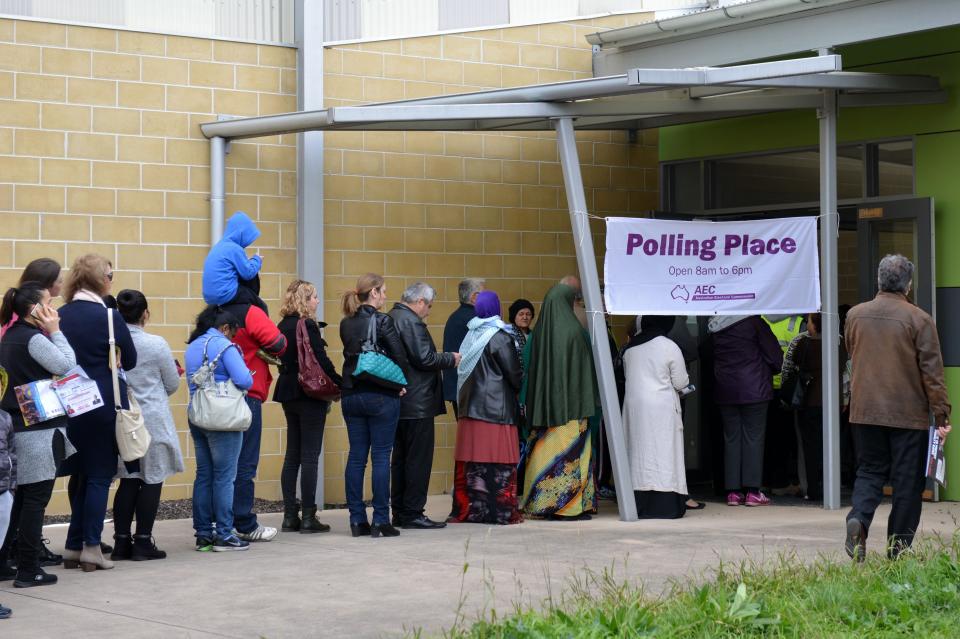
[370, 410]
[487, 450]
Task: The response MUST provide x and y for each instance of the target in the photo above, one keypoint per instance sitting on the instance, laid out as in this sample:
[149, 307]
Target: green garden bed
[915, 596]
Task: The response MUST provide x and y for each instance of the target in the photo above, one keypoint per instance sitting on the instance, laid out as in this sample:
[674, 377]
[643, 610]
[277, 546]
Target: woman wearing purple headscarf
[487, 451]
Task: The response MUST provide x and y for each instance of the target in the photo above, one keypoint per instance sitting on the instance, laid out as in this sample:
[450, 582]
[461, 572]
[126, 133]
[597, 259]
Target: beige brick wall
[439, 207]
[100, 151]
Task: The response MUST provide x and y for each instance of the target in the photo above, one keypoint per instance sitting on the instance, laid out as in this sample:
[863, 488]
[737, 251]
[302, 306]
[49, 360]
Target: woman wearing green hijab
[561, 396]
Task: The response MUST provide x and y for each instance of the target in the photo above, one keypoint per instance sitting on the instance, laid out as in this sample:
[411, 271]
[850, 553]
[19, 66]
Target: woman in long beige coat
[652, 419]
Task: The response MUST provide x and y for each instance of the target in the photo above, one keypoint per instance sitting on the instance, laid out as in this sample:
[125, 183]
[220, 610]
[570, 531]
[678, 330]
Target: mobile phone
[180, 370]
[34, 312]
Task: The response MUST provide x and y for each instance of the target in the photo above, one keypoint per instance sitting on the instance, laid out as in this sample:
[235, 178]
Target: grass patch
[916, 595]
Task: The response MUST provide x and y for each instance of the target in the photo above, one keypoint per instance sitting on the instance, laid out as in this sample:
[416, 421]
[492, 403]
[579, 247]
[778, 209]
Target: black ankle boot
[360, 530]
[291, 519]
[123, 548]
[144, 549]
[383, 530]
[310, 522]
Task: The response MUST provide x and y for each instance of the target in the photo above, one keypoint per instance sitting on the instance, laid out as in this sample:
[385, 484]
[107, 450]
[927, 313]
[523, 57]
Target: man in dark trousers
[456, 330]
[413, 449]
[259, 340]
[896, 384]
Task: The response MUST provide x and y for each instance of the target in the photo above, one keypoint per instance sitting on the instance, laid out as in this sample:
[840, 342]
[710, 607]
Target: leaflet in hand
[936, 464]
[78, 393]
[38, 402]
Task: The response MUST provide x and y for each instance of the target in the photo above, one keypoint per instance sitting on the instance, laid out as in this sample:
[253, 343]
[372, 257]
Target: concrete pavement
[331, 585]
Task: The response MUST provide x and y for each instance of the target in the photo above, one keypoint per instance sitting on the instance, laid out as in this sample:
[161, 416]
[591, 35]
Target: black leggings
[136, 497]
[305, 421]
[26, 525]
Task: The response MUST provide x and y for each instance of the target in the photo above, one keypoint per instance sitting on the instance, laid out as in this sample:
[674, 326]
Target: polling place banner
[667, 267]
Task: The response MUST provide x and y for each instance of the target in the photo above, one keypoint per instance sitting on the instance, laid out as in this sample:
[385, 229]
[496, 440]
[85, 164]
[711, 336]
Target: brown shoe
[71, 558]
[91, 558]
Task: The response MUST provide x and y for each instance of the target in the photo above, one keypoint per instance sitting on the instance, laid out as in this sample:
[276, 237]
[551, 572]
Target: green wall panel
[935, 53]
[952, 452]
[936, 157]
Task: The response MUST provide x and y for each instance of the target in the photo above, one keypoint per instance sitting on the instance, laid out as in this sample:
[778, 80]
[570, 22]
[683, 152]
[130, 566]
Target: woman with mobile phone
[153, 380]
[43, 271]
[32, 349]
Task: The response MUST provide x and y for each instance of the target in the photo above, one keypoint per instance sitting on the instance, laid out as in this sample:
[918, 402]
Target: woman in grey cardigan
[33, 349]
[152, 381]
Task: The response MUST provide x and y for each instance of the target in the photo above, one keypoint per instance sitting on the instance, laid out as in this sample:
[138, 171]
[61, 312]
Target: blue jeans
[88, 508]
[371, 428]
[244, 519]
[217, 454]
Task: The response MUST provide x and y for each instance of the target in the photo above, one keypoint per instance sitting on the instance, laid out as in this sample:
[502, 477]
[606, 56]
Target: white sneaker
[262, 533]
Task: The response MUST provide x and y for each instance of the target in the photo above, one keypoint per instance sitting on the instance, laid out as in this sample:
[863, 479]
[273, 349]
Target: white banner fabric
[667, 267]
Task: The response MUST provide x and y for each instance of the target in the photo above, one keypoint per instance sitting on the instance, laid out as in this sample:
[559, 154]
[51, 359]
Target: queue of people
[525, 397]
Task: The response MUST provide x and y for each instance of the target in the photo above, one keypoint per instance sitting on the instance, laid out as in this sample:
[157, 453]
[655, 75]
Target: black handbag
[794, 392]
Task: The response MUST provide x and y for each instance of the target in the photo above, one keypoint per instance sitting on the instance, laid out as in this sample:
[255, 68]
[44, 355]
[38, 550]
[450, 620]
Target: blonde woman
[83, 321]
[370, 410]
[305, 416]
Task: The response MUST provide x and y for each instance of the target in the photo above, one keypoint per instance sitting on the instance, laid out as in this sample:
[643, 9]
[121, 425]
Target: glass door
[902, 226]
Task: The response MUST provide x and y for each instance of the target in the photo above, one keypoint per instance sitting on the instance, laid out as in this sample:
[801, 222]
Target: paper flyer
[38, 402]
[78, 393]
[936, 464]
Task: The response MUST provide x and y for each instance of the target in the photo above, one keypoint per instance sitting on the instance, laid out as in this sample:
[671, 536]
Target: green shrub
[915, 596]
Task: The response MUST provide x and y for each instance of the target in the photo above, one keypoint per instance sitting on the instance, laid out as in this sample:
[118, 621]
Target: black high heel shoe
[384, 530]
[360, 530]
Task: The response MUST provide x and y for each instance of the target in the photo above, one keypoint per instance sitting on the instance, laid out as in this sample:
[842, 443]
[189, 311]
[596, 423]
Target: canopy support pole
[830, 318]
[587, 263]
[218, 155]
[308, 28]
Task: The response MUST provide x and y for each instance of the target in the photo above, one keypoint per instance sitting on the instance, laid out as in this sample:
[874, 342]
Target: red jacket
[256, 332]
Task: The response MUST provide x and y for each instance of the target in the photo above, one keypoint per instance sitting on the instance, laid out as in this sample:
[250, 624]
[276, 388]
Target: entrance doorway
[869, 229]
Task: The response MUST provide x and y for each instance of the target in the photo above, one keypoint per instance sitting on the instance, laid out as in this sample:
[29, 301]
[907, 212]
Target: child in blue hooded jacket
[227, 261]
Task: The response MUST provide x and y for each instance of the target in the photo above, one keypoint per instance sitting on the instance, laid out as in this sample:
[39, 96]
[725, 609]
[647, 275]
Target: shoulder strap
[205, 344]
[213, 363]
[372, 329]
[113, 361]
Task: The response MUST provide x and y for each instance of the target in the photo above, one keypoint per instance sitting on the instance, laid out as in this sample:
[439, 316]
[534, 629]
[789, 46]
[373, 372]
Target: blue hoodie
[227, 262]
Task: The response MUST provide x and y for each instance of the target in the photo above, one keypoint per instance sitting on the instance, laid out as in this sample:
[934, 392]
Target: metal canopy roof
[640, 99]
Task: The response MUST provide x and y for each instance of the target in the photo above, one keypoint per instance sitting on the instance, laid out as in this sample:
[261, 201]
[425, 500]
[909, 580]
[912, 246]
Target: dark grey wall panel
[948, 324]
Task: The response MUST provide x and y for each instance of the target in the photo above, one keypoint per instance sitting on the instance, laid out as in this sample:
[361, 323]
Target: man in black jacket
[413, 449]
[456, 330]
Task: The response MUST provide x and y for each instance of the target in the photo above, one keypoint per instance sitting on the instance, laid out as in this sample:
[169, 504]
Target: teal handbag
[373, 366]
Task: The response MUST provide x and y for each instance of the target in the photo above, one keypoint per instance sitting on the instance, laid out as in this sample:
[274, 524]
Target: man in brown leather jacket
[897, 383]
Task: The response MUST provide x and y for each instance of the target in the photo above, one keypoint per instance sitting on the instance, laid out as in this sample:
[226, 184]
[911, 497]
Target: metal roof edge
[709, 19]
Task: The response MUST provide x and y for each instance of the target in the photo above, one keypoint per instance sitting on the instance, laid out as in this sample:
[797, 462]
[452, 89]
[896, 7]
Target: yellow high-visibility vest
[785, 330]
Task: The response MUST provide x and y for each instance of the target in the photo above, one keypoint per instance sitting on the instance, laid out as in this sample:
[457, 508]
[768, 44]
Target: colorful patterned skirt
[485, 474]
[558, 472]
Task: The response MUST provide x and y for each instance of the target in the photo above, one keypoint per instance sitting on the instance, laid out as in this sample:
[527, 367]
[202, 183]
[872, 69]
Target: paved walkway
[332, 585]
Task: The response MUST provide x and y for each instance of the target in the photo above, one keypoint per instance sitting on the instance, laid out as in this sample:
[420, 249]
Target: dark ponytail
[132, 305]
[21, 300]
[213, 317]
